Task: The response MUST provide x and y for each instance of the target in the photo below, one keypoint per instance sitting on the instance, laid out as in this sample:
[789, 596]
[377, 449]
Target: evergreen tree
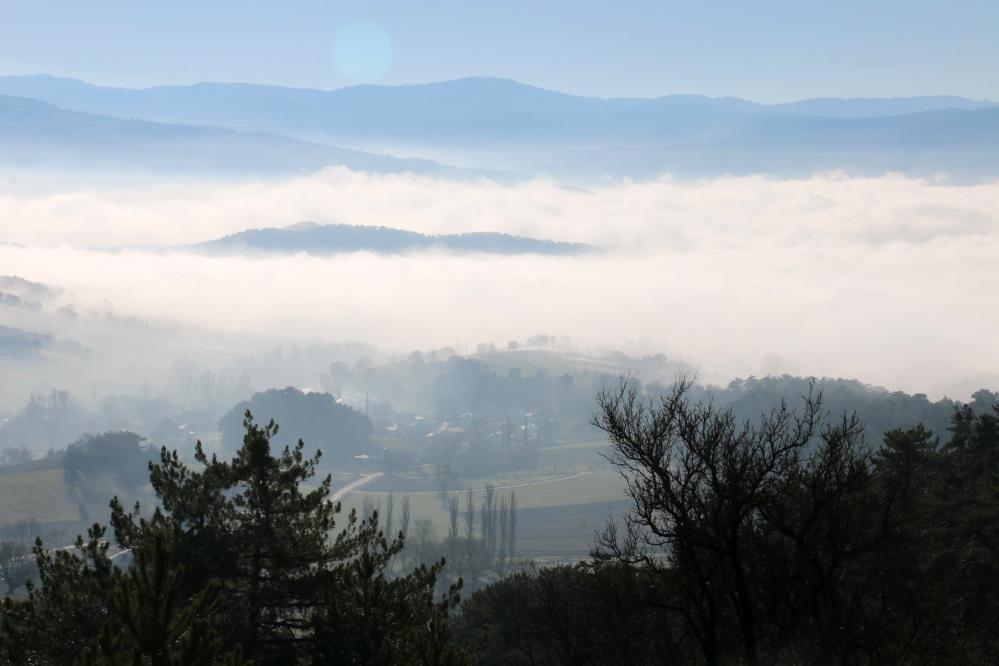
[148, 623]
[67, 611]
[287, 572]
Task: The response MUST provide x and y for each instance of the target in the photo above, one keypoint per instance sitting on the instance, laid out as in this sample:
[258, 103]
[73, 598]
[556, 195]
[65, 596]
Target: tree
[446, 477]
[338, 430]
[17, 565]
[151, 624]
[47, 422]
[248, 524]
[586, 614]
[14, 456]
[63, 615]
[289, 576]
[115, 459]
[968, 518]
[772, 541]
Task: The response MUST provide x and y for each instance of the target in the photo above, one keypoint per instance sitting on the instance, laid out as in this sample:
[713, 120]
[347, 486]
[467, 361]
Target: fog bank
[889, 280]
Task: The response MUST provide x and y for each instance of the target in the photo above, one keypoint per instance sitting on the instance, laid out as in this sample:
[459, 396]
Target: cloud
[671, 214]
[890, 280]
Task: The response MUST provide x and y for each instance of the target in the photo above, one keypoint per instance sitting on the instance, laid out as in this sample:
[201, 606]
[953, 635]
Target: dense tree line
[880, 410]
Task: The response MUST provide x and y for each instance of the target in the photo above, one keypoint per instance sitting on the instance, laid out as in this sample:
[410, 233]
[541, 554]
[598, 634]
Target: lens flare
[362, 51]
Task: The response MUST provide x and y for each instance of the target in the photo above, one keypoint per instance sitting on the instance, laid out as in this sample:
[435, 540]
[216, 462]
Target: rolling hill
[324, 239]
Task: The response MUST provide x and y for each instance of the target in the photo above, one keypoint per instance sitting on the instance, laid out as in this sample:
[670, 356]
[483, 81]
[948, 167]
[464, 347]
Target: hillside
[321, 239]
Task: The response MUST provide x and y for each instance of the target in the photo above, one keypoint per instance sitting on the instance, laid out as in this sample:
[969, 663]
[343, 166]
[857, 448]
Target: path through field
[354, 485]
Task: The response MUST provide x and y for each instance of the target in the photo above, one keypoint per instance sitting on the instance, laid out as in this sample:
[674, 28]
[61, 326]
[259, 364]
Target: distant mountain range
[326, 239]
[38, 135]
[501, 124]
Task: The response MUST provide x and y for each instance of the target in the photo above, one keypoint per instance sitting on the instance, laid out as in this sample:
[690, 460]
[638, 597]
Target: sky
[768, 51]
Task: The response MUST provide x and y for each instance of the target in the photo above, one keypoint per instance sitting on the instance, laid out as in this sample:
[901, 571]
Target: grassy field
[563, 532]
[561, 503]
[558, 514]
[36, 494]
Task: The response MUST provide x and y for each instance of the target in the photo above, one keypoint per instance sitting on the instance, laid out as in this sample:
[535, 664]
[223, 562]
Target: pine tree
[63, 615]
[149, 622]
[287, 572]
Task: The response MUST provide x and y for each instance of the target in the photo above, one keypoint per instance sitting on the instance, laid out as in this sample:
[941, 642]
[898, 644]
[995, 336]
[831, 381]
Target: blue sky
[763, 50]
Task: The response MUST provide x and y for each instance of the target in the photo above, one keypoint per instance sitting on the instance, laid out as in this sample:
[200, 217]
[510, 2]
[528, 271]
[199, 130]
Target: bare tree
[698, 480]
[471, 555]
[389, 509]
[501, 549]
[488, 524]
[446, 477]
[404, 520]
[452, 533]
[511, 526]
[369, 508]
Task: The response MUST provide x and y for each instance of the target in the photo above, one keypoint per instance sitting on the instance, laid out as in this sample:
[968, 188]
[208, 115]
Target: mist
[887, 279]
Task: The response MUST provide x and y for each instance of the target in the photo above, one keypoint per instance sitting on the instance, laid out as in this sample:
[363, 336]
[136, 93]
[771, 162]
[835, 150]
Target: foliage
[63, 615]
[288, 573]
[17, 566]
[240, 557]
[154, 626]
[584, 614]
[338, 430]
[117, 459]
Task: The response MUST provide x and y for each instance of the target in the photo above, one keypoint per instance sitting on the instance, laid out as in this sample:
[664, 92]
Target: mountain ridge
[35, 133]
[943, 101]
[498, 125]
[328, 239]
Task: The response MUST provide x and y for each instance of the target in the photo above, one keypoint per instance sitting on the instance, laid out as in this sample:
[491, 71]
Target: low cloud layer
[890, 280]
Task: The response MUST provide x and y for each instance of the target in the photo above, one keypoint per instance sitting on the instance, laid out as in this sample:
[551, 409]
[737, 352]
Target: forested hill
[323, 239]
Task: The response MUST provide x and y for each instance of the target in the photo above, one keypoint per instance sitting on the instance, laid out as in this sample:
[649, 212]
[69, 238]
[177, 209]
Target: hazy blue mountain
[963, 144]
[476, 108]
[861, 107]
[324, 239]
[36, 134]
[498, 124]
[479, 109]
